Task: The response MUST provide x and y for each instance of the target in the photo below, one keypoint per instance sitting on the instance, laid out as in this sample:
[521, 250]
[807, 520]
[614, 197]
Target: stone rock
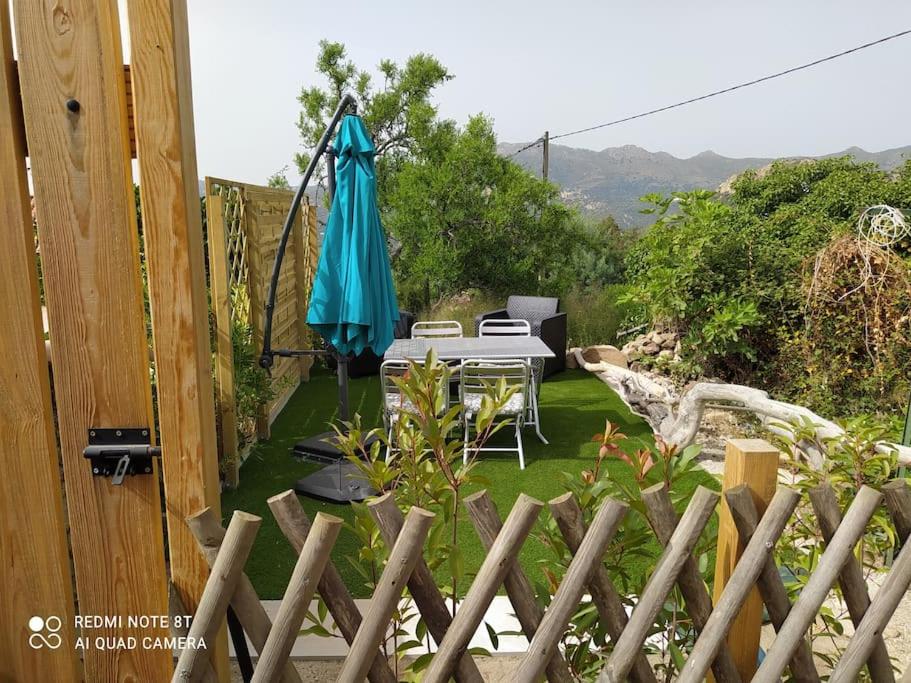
[651, 348]
[665, 353]
[571, 362]
[669, 342]
[605, 353]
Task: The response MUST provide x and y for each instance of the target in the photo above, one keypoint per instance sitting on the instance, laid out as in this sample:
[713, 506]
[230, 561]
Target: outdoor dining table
[463, 348]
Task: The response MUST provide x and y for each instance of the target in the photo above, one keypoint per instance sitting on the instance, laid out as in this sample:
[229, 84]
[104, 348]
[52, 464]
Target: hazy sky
[564, 65]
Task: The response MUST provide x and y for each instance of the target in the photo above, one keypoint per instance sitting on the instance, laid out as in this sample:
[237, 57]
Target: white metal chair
[395, 402]
[514, 327]
[476, 379]
[436, 329]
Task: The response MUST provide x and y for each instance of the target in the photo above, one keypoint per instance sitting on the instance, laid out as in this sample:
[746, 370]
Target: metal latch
[118, 452]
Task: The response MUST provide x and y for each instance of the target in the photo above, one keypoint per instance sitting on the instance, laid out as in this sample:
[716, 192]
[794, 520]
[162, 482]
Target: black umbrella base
[340, 481]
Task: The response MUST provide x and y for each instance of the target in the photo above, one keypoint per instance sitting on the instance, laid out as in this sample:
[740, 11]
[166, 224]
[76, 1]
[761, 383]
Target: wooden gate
[70, 106]
[244, 228]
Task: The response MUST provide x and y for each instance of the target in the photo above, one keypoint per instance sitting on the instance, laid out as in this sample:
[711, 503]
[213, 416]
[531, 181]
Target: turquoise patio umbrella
[353, 304]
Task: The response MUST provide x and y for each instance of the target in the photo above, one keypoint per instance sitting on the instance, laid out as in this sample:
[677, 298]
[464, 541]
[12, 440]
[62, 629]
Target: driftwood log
[676, 417]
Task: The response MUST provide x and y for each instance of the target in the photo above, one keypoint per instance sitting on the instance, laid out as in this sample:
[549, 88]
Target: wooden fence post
[75, 105]
[220, 292]
[35, 567]
[302, 286]
[753, 462]
[172, 227]
[220, 587]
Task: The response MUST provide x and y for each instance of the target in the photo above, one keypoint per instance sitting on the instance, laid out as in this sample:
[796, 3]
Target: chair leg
[465, 443]
[389, 445]
[537, 418]
[519, 446]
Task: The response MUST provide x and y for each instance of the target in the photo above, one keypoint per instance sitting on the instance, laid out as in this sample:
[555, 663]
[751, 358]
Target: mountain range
[612, 180]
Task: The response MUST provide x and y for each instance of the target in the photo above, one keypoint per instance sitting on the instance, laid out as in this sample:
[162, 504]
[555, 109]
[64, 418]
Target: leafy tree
[732, 275]
[468, 218]
[279, 179]
[399, 114]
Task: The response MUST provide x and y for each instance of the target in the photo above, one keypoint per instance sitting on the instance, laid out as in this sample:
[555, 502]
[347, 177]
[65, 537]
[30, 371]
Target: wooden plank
[741, 582]
[753, 462]
[34, 561]
[224, 350]
[172, 227]
[90, 257]
[128, 84]
[256, 269]
[818, 585]
[685, 537]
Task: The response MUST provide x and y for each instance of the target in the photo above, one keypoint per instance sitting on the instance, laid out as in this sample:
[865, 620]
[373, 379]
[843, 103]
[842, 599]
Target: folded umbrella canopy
[352, 303]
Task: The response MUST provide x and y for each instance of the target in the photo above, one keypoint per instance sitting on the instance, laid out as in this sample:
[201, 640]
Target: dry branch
[676, 418]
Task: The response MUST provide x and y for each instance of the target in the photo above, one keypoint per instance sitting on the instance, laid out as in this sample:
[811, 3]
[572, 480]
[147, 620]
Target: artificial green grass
[574, 406]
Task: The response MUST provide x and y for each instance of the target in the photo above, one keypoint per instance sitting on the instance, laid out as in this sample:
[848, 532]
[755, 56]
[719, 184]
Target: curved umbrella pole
[267, 357]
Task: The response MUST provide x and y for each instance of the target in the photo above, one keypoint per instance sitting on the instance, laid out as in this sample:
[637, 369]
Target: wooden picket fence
[718, 649]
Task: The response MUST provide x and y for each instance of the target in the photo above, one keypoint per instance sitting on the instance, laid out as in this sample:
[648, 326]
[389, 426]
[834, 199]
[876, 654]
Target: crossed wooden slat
[227, 552]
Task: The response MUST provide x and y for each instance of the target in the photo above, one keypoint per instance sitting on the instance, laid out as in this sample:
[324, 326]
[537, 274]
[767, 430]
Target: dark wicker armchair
[546, 323]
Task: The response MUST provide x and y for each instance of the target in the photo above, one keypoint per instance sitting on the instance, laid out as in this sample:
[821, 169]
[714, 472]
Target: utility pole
[546, 140]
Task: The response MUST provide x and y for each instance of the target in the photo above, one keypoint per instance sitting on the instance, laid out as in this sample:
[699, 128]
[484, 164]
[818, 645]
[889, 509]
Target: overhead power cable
[723, 91]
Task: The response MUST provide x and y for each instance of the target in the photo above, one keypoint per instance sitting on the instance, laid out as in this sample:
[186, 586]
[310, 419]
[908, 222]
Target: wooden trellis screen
[712, 650]
[244, 228]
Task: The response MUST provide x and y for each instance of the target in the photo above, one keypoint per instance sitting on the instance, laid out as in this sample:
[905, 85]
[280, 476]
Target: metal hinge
[118, 452]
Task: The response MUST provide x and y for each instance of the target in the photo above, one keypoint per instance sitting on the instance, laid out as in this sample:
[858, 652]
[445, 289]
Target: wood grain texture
[570, 520]
[220, 294]
[852, 581]
[487, 524]
[421, 584]
[172, 227]
[209, 616]
[34, 564]
[312, 561]
[742, 581]
[772, 589]
[486, 583]
[814, 592]
[210, 534]
[753, 462]
[90, 257]
[669, 566]
[403, 556]
[545, 643]
[295, 525]
[663, 519]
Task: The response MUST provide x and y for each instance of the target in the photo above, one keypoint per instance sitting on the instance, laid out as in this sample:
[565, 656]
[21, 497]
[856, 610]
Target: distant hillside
[612, 180]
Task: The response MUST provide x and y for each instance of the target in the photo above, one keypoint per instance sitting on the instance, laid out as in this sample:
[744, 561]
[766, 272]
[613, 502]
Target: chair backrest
[504, 327]
[531, 308]
[393, 399]
[478, 376]
[389, 371]
[436, 328]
